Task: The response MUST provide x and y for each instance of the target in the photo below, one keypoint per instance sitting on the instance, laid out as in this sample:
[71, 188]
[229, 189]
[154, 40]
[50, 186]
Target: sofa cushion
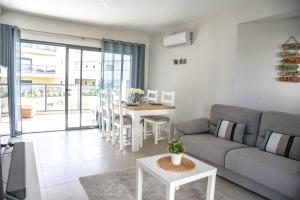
[278, 122]
[281, 144]
[275, 172]
[250, 117]
[193, 126]
[209, 147]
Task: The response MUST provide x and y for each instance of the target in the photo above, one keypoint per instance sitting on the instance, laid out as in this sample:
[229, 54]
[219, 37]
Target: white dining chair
[156, 121]
[105, 114]
[168, 98]
[152, 96]
[121, 125]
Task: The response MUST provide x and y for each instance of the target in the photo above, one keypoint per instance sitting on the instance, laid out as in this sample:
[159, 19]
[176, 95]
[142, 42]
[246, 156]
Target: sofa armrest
[196, 126]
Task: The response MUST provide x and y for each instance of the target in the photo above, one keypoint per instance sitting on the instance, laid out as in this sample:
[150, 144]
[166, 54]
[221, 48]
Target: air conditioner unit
[179, 39]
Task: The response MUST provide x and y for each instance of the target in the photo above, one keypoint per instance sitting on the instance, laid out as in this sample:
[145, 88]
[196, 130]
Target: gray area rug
[120, 185]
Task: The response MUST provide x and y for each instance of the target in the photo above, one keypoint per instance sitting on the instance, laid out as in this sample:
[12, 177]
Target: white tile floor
[63, 157]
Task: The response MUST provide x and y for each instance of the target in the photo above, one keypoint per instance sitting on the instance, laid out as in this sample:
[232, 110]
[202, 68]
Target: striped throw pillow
[281, 144]
[230, 130]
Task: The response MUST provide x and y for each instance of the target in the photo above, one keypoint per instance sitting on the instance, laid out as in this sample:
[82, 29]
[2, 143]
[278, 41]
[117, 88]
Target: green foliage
[176, 146]
[286, 67]
[3, 94]
[50, 93]
[285, 54]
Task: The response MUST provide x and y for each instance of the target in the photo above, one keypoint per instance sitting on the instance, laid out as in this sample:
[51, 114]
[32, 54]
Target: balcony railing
[51, 97]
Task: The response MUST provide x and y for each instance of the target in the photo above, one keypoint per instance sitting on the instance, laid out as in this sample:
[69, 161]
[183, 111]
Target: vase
[176, 158]
[136, 99]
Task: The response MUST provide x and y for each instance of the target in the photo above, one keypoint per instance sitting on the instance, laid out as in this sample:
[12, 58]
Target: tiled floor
[63, 157]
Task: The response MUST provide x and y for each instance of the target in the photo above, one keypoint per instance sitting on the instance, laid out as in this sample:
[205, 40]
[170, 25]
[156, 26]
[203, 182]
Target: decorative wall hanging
[180, 61]
[289, 69]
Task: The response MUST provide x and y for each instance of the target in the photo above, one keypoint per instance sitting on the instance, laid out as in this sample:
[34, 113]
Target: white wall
[208, 77]
[63, 27]
[256, 85]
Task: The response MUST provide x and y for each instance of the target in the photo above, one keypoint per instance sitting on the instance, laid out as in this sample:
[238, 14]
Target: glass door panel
[74, 93]
[4, 115]
[108, 71]
[91, 82]
[117, 71]
[55, 98]
[42, 87]
[126, 76]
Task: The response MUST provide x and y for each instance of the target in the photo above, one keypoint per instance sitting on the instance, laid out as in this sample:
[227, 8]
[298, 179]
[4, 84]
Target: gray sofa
[264, 173]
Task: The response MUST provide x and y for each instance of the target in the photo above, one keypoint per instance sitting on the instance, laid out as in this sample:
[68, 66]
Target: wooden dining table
[136, 113]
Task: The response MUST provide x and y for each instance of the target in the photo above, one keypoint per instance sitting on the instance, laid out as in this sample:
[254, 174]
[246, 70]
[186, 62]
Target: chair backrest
[168, 98]
[152, 96]
[117, 108]
[105, 102]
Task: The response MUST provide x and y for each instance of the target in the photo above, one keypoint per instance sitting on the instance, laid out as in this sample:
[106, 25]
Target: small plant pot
[176, 158]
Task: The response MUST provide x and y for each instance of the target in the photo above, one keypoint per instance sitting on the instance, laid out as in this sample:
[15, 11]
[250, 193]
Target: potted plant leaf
[176, 148]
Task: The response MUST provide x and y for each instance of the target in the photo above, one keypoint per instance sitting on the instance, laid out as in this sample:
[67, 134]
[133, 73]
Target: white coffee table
[173, 180]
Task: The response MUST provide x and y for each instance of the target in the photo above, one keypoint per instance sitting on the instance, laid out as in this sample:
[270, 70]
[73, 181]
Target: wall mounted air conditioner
[179, 39]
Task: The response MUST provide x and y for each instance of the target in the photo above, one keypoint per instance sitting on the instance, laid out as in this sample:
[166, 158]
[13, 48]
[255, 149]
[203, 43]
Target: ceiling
[148, 16]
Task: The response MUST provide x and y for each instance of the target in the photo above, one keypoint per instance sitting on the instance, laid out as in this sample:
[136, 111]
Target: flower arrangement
[135, 95]
[136, 91]
[176, 148]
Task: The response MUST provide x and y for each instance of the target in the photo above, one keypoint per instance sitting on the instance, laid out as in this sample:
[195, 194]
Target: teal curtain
[138, 72]
[10, 57]
[117, 56]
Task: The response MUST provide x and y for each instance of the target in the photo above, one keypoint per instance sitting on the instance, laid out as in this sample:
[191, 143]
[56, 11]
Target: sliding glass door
[59, 87]
[83, 87]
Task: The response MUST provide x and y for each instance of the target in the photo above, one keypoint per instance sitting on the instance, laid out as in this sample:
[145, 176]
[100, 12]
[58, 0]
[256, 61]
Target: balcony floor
[50, 121]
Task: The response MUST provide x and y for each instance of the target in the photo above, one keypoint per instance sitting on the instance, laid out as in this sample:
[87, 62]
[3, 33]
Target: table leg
[171, 125]
[211, 187]
[141, 129]
[136, 132]
[170, 192]
[139, 183]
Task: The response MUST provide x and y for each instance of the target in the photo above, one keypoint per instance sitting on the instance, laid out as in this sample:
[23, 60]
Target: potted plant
[176, 148]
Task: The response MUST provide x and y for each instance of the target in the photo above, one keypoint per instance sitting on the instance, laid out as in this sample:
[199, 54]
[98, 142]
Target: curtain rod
[73, 36]
[59, 34]
[130, 43]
